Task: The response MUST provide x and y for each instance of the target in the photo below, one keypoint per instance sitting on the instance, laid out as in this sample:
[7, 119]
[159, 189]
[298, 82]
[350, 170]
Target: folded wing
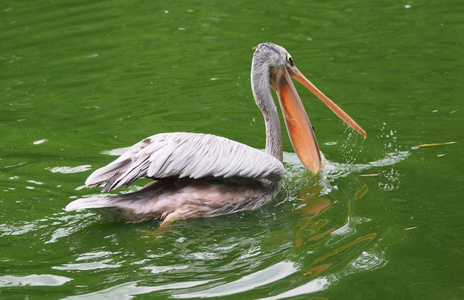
[190, 155]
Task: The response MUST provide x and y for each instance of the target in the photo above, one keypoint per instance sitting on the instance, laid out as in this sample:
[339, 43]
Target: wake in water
[335, 170]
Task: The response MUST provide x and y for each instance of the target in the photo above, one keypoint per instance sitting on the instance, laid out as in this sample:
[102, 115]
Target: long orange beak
[297, 122]
[334, 107]
[299, 127]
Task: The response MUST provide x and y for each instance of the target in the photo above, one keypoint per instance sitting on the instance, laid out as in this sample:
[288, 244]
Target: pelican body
[203, 175]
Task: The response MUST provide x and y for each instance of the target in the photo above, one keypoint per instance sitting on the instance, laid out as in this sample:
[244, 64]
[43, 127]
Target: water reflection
[334, 258]
[332, 247]
[313, 204]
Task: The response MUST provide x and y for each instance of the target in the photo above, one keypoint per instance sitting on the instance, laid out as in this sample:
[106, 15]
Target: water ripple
[369, 261]
[130, 289]
[87, 266]
[33, 280]
[263, 277]
[67, 170]
[312, 286]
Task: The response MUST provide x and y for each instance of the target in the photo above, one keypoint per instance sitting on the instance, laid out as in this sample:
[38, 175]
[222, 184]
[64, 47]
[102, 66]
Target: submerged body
[202, 175]
[173, 198]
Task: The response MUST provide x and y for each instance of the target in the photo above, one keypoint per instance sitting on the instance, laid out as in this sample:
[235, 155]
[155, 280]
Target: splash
[334, 170]
[351, 150]
[337, 170]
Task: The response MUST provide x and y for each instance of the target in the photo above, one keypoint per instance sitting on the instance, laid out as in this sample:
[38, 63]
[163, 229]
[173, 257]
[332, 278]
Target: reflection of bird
[201, 174]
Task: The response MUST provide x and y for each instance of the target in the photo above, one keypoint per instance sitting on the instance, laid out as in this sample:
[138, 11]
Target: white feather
[191, 155]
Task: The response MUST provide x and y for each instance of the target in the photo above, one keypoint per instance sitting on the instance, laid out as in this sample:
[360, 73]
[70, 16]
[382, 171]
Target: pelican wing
[190, 155]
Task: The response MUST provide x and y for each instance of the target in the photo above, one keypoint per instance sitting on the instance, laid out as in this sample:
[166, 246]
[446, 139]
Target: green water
[79, 79]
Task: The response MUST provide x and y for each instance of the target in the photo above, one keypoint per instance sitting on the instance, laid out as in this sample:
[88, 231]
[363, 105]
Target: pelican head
[273, 65]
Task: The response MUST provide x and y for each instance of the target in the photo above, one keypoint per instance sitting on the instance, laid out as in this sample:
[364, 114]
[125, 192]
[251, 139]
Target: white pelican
[201, 174]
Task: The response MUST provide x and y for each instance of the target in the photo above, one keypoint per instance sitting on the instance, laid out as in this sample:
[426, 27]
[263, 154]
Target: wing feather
[191, 155]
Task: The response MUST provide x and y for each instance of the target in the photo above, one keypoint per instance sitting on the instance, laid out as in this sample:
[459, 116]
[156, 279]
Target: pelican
[199, 174]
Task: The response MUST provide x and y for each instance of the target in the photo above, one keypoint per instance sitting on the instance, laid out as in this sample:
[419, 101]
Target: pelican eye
[290, 61]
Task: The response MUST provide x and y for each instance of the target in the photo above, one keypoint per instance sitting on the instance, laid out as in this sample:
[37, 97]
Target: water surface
[81, 79]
